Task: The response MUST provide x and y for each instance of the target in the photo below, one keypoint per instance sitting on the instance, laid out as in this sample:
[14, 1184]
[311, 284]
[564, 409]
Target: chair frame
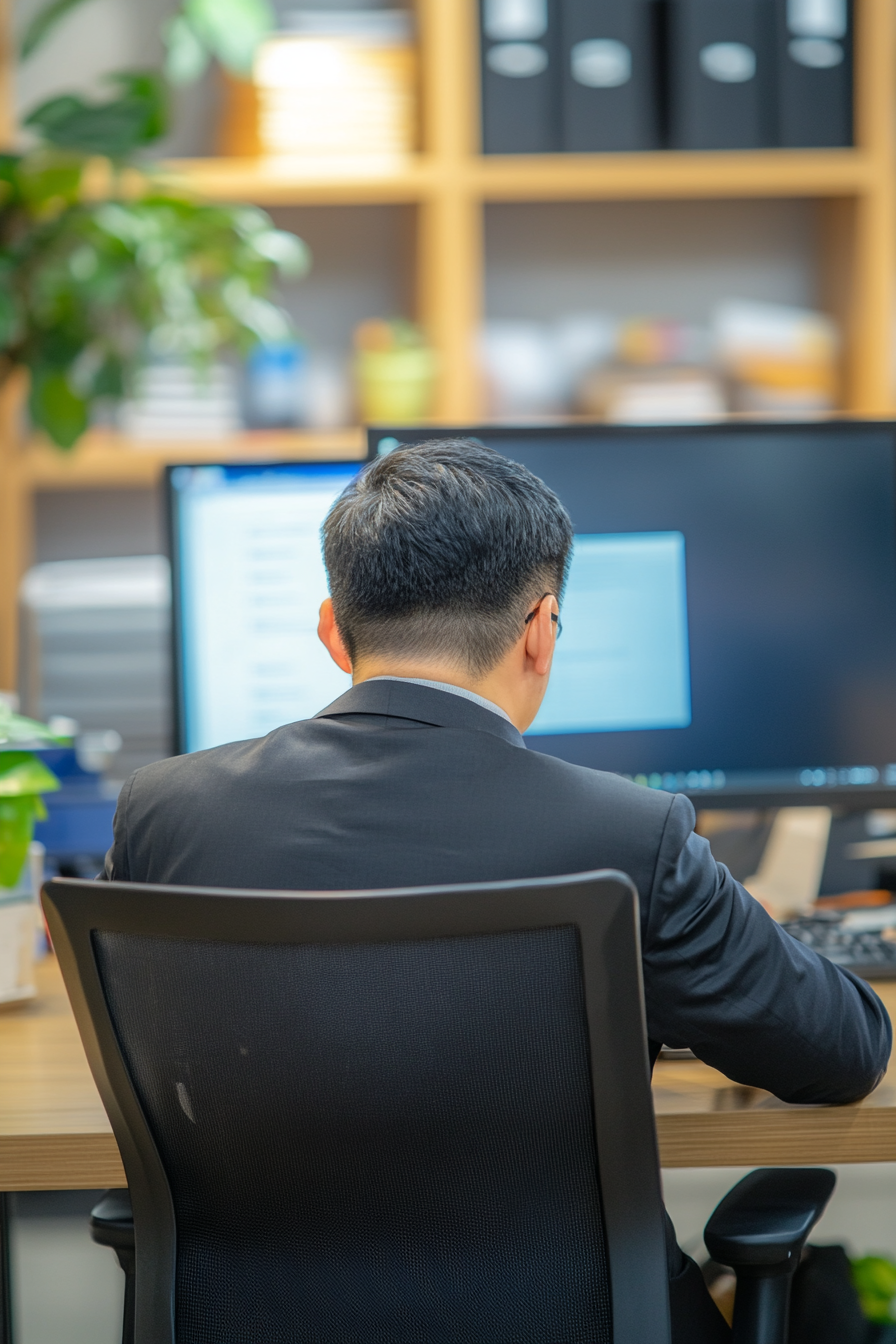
[602, 905]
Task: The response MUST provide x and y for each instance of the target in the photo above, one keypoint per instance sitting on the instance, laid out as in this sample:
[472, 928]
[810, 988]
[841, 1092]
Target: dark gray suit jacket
[400, 785]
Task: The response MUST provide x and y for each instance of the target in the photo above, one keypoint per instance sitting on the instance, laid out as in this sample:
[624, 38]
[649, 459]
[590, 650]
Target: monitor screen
[248, 582]
[729, 624]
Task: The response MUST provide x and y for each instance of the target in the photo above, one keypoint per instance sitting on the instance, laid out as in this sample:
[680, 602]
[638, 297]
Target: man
[447, 564]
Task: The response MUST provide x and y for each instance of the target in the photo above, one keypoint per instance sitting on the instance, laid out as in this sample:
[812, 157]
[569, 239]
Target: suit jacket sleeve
[723, 978]
[117, 866]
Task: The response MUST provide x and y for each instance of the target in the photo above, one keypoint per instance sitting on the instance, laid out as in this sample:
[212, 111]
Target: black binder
[611, 75]
[520, 76]
[815, 81]
[721, 74]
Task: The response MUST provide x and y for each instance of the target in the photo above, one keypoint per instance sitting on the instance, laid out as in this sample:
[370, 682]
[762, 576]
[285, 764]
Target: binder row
[584, 76]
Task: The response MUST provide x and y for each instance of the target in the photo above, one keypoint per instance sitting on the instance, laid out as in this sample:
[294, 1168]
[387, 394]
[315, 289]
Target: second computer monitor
[729, 625]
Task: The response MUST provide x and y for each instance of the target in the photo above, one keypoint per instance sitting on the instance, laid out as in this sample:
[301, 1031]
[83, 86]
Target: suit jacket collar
[422, 704]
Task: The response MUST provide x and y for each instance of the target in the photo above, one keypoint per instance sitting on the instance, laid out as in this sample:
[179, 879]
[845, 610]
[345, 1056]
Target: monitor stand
[790, 869]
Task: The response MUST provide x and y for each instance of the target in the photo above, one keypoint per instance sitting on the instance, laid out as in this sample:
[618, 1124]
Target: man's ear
[541, 636]
[329, 636]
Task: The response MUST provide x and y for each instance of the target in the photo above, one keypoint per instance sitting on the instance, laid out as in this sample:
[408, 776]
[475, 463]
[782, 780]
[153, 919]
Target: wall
[670, 258]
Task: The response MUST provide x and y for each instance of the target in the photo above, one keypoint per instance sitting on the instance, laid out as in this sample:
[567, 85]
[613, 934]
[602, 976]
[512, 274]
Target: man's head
[437, 553]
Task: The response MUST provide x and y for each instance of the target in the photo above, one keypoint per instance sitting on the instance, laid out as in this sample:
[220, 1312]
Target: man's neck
[516, 684]
[450, 676]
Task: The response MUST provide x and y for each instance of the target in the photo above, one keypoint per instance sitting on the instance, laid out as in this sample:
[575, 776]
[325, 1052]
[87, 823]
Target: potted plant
[91, 283]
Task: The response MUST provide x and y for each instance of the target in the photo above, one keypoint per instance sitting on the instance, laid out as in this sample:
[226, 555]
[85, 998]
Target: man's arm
[724, 979]
[117, 867]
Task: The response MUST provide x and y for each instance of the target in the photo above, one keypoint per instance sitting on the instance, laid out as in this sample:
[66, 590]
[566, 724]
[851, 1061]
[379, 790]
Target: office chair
[396, 1116]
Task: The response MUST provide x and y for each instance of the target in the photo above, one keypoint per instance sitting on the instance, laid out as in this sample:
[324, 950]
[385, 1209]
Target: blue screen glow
[623, 661]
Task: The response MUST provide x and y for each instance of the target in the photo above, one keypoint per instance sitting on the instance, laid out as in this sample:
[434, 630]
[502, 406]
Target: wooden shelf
[106, 460]
[291, 182]
[662, 176]
[672, 175]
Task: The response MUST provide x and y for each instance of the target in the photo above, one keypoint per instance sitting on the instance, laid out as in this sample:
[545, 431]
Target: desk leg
[5, 1275]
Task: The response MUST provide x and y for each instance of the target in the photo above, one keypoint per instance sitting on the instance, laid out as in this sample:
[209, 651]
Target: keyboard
[861, 941]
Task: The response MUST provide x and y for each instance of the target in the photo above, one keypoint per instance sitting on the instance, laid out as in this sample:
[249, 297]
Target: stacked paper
[175, 401]
[338, 84]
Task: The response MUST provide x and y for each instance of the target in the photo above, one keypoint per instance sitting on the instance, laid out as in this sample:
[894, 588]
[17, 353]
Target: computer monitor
[729, 625]
[248, 581]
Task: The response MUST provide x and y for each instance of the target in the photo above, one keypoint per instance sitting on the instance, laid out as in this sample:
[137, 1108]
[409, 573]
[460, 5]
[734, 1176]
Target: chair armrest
[761, 1225]
[112, 1222]
[114, 1207]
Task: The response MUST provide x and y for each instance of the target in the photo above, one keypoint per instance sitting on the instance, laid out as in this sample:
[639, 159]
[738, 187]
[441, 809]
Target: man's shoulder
[197, 769]
[283, 751]
[190, 764]
[600, 786]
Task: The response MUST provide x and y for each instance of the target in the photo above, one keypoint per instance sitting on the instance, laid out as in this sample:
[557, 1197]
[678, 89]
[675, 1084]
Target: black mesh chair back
[402, 1117]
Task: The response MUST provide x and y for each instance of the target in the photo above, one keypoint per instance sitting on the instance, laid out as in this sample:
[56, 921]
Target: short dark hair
[438, 549]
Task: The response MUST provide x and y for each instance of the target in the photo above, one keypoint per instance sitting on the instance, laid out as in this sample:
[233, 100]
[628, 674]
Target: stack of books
[332, 86]
[780, 361]
[179, 401]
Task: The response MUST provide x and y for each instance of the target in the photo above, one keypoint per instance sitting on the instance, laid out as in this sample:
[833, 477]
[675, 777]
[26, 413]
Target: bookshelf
[448, 183]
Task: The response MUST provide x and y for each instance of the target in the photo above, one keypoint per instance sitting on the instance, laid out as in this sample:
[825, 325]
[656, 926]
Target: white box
[18, 919]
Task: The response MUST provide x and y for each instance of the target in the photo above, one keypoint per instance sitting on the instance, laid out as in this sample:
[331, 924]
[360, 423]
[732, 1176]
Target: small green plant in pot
[874, 1277]
[23, 780]
[395, 371]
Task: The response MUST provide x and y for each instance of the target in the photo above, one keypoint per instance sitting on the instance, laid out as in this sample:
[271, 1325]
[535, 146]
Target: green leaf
[61, 343]
[109, 381]
[55, 406]
[10, 165]
[270, 324]
[186, 55]
[48, 182]
[115, 128]
[43, 24]
[147, 89]
[10, 316]
[231, 29]
[288, 253]
[875, 1281]
[22, 773]
[19, 730]
[17, 817]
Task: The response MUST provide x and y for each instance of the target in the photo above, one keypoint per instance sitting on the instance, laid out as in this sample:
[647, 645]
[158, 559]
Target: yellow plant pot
[395, 385]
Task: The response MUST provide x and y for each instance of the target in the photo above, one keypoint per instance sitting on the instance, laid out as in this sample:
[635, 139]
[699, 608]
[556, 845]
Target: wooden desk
[705, 1120]
[54, 1134]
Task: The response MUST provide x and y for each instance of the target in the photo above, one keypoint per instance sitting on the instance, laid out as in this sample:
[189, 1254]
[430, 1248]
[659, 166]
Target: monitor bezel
[172, 536]
[854, 798]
